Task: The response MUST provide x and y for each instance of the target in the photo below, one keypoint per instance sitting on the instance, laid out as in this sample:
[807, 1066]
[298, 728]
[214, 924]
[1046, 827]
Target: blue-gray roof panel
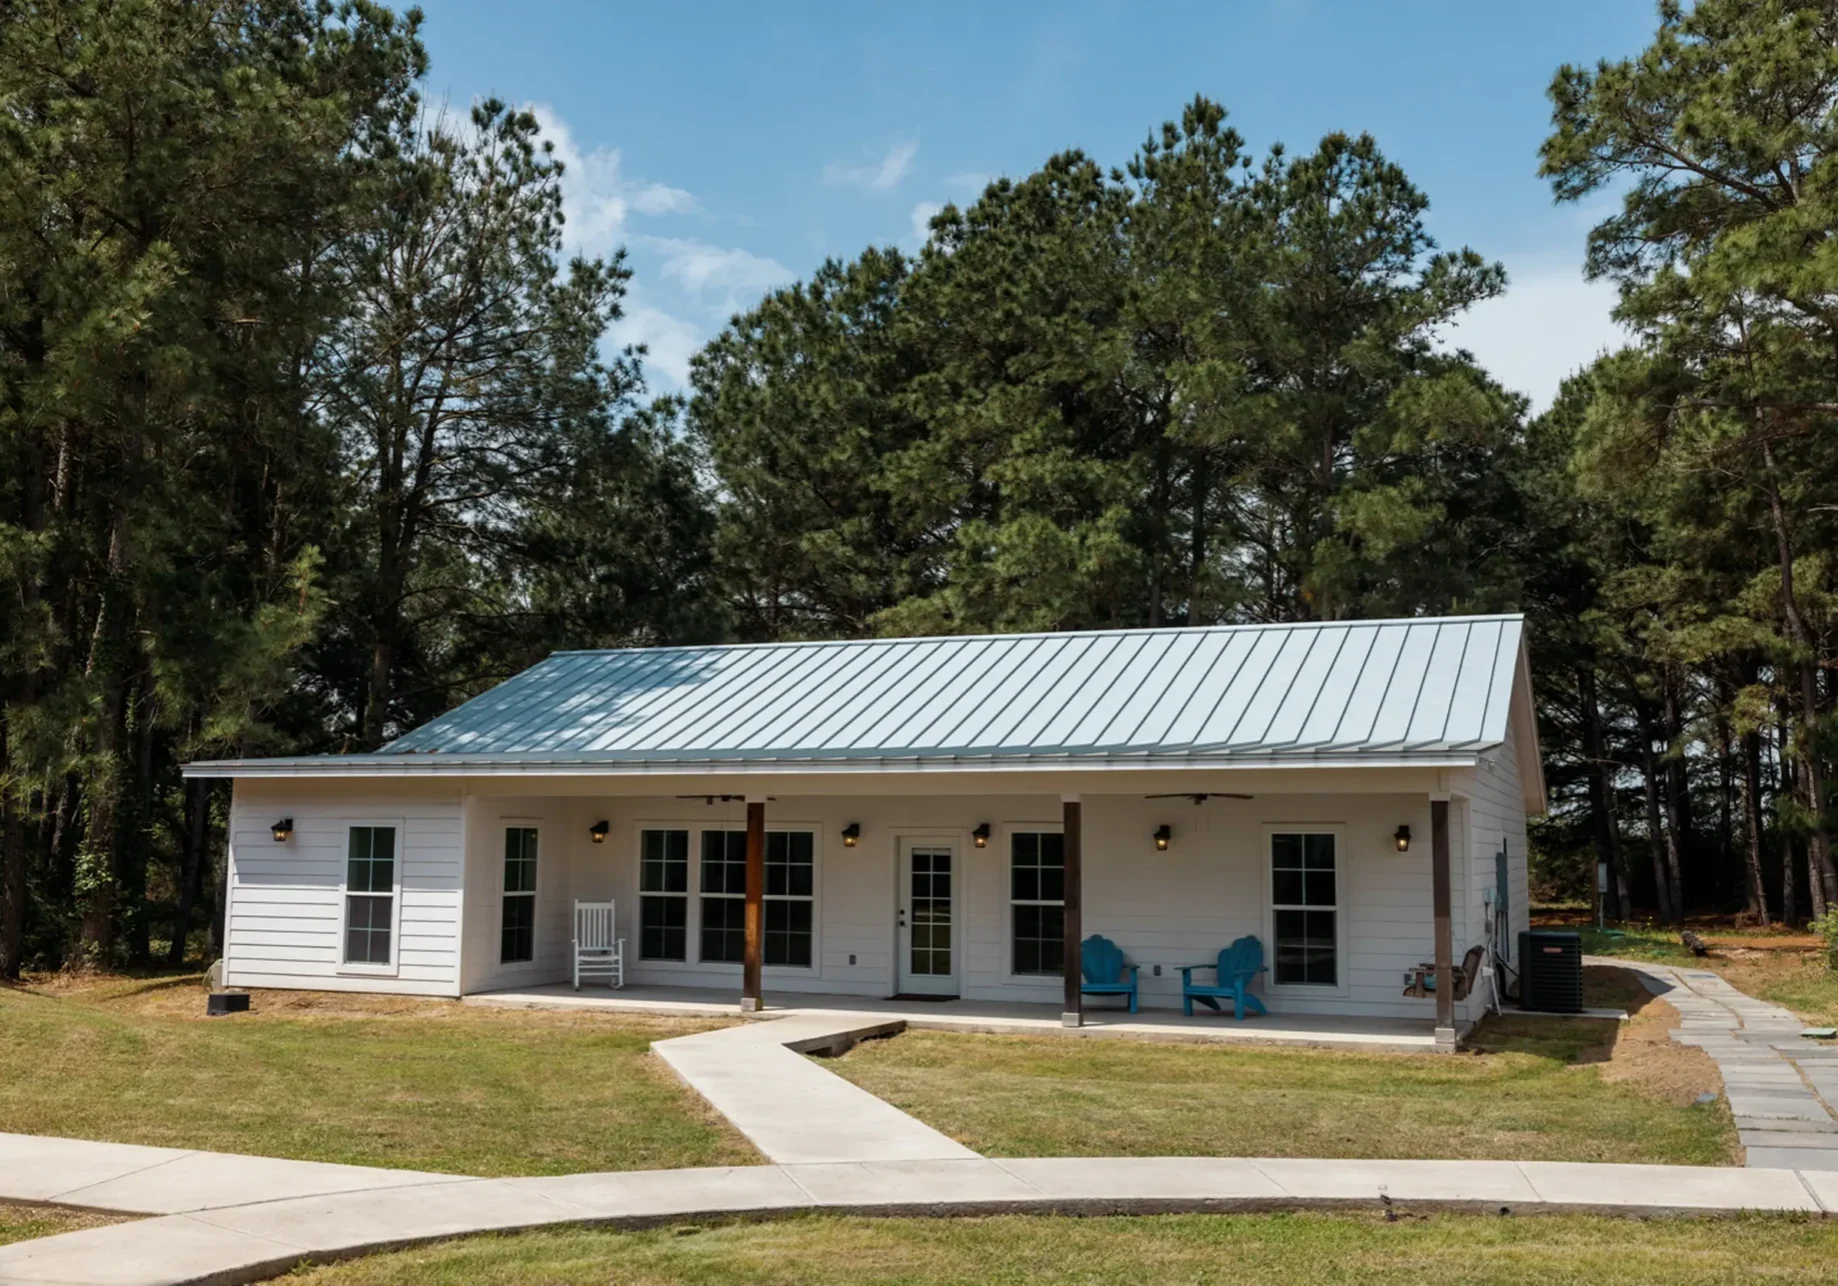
[1417, 686]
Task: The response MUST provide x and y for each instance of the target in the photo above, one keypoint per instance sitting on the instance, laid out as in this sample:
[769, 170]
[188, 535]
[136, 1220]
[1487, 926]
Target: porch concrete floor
[997, 1016]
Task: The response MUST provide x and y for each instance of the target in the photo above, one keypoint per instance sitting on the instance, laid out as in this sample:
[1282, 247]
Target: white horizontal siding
[1497, 814]
[284, 914]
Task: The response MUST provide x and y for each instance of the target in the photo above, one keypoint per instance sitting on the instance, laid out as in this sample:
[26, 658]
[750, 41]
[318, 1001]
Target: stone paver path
[1781, 1086]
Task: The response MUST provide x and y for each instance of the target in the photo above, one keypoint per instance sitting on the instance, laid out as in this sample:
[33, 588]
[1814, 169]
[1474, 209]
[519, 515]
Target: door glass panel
[929, 912]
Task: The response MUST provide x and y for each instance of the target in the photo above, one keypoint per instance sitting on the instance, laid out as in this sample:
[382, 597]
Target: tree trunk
[1678, 816]
[191, 871]
[12, 862]
[1790, 866]
[1196, 539]
[1823, 876]
[1665, 874]
[1602, 794]
[1751, 825]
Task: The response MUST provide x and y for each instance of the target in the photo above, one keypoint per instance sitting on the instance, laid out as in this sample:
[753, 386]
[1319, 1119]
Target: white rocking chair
[597, 952]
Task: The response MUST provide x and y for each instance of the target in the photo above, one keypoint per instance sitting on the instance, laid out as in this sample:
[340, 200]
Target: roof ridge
[1471, 618]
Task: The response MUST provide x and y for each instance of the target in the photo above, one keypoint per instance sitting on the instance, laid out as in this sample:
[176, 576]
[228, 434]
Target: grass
[365, 1080]
[1786, 970]
[25, 1222]
[1243, 1250]
[1556, 1089]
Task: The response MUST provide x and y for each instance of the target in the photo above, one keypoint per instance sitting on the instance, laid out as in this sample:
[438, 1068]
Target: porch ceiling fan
[725, 799]
[1200, 797]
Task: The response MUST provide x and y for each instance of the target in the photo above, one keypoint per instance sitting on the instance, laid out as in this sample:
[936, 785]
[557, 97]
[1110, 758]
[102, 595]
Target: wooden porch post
[1445, 947]
[755, 918]
[1073, 1015]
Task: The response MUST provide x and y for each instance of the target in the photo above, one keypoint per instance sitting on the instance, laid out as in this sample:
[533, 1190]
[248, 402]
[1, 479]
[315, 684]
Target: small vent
[1551, 971]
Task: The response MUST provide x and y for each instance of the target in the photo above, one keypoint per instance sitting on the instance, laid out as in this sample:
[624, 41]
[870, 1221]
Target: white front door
[927, 918]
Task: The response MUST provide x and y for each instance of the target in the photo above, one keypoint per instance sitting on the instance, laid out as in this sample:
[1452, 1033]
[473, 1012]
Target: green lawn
[419, 1084]
[24, 1222]
[1233, 1250]
[1527, 1089]
[1794, 977]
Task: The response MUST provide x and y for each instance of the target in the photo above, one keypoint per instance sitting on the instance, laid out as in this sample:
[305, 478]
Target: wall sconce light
[1163, 834]
[980, 836]
[283, 830]
[1403, 838]
[598, 830]
[851, 834]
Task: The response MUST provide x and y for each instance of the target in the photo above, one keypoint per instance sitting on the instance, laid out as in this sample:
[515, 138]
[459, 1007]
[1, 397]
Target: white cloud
[596, 196]
[879, 177]
[1549, 324]
[669, 340]
[729, 270]
[922, 219]
[971, 180]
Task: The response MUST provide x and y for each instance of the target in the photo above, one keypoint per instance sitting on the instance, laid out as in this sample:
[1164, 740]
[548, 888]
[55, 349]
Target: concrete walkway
[227, 1244]
[1781, 1086]
[792, 1110]
[229, 1219]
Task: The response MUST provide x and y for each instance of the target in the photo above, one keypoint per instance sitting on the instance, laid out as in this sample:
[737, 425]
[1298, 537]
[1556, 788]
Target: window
[370, 894]
[789, 904]
[724, 896]
[517, 939]
[790, 890]
[663, 895]
[1037, 891]
[1304, 899]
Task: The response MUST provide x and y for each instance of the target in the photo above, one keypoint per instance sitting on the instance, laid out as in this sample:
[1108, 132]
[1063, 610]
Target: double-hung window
[1037, 899]
[724, 897]
[370, 895]
[790, 897]
[517, 937]
[1304, 909]
[790, 894]
[663, 895]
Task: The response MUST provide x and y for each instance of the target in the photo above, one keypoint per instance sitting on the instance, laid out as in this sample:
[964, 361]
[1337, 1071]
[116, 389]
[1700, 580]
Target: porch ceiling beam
[1072, 828]
[750, 999]
[1445, 946]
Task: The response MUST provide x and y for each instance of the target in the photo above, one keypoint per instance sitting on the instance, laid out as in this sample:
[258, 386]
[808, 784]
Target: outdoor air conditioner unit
[1551, 971]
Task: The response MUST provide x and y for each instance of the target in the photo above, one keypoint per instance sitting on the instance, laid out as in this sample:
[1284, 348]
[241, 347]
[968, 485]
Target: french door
[927, 918]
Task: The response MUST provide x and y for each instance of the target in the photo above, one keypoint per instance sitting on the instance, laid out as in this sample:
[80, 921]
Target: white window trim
[686, 896]
[1005, 833]
[348, 968]
[534, 895]
[1342, 911]
[693, 920]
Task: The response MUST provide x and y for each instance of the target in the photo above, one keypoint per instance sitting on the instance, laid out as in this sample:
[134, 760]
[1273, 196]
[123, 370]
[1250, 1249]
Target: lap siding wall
[284, 917]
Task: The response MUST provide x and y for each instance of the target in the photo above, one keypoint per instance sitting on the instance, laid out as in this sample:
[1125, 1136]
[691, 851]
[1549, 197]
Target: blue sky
[732, 147]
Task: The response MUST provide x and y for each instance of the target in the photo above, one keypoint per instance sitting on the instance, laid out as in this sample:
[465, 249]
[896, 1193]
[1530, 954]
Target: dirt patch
[27, 1220]
[1646, 1057]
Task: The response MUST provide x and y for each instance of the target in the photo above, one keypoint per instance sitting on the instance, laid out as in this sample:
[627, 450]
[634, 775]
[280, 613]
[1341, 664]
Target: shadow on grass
[1565, 1038]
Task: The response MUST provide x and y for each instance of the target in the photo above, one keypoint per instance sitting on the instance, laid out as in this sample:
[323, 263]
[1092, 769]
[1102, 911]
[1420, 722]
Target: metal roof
[1417, 691]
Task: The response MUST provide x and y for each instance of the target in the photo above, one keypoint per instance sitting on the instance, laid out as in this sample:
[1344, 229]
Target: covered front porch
[970, 908]
[1100, 1018]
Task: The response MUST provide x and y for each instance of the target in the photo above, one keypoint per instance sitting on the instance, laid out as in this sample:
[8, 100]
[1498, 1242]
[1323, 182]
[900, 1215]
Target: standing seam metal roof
[1398, 688]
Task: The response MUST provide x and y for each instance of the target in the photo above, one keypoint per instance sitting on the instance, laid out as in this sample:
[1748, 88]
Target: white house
[923, 816]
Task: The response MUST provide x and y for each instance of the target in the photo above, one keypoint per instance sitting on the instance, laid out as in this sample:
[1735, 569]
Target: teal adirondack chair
[1238, 965]
[1106, 971]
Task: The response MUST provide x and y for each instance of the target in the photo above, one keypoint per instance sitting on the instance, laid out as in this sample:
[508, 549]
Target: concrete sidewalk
[126, 1178]
[792, 1110]
[244, 1243]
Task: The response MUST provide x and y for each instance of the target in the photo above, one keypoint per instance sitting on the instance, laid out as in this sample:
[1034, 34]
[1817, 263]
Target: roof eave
[423, 766]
